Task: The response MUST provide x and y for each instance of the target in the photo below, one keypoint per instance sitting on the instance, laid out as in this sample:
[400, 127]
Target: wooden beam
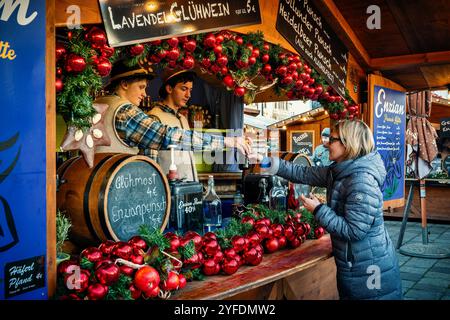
[50, 106]
[400, 62]
[358, 48]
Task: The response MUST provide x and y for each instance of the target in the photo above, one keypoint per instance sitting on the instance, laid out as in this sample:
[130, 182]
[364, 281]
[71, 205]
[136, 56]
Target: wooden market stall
[415, 54]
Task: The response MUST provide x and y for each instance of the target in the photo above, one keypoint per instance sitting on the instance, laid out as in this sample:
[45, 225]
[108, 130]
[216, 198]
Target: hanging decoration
[245, 63]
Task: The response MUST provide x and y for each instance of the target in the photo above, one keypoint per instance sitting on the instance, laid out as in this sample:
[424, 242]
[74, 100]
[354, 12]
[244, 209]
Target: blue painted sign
[389, 134]
[23, 232]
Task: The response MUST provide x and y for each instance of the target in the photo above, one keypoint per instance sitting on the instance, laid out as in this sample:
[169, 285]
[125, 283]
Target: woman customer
[367, 265]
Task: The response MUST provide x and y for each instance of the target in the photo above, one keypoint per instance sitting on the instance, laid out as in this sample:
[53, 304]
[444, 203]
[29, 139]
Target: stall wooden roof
[412, 48]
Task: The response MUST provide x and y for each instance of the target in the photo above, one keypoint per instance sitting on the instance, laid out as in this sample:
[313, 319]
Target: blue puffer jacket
[367, 265]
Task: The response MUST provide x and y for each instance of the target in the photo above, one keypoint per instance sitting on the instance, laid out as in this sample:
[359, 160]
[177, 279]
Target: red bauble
[219, 39]
[97, 37]
[108, 273]
[123, 250]
[135, 293]
[239, 41]
[222, 60]
[59, 71]
[173, 42]
[182, 281]
[188, 62]
[60, 50]
[103, 66]
[138, 242]
[190, 45]
[266, 46]
[266, 69]
[146, 278]
[210, 40]
[93, 254]
[107, 52]
[97, 291]
[239, 244]
[107, 246]
[209, 267]
[171, 283]
[251, 60]
[228, 81]
[255, 52]
[239, 91]
[271, 244]
[78, 282]
[265, 58]
[210, 247]
[230, 266]
[206, 63]
[217, 49]
[281, 70]
[75, 63]
[318, 232]
[59, 85]
[173, 54]
[137, 50]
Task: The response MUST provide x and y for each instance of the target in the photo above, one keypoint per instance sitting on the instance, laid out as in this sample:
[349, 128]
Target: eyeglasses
[333, 139]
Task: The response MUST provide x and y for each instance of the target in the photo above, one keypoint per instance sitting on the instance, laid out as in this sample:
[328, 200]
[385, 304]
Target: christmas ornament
[75, 63]
[60, 50]
[85, 141]
[97, 37]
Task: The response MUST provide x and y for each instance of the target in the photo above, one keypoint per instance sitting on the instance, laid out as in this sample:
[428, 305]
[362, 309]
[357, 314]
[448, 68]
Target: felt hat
[120, 70]
[168, 74]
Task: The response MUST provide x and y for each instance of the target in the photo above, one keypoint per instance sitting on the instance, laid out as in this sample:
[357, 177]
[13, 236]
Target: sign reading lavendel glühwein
[129, 22]
[300, 23]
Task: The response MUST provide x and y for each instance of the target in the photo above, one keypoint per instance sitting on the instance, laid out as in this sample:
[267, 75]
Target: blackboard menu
[389, 135]
[302, 142]
[24, 275]
[301, 24]
[137, 196]
[128, 22]
[445, 128]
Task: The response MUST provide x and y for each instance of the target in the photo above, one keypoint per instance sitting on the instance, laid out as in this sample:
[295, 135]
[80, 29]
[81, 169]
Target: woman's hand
[310, 203]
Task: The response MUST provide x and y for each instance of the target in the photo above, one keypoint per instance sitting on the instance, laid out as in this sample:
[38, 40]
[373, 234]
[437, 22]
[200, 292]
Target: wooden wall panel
[50, 94]
[90, 11]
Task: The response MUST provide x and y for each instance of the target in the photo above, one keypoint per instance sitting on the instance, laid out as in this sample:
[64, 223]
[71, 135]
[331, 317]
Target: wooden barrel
[114, 198]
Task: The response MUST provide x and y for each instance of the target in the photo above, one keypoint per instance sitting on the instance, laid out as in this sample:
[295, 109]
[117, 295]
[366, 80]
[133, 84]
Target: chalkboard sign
[302, 142]
[137, 195]
[128, 22]
[301, 24]
[445, 128]
[389, 135]
[24, 275]
[446, 164]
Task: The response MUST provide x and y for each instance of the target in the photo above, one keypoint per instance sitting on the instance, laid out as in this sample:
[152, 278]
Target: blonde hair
[356, 137]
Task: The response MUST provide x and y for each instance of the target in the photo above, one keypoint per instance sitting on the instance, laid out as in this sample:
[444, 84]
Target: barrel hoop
[86, 213]
[101, 194]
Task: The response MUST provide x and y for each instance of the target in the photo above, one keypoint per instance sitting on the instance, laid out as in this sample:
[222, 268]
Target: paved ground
[423, 278]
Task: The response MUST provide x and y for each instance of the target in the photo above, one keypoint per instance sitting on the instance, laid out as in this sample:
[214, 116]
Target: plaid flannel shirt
[137, 129]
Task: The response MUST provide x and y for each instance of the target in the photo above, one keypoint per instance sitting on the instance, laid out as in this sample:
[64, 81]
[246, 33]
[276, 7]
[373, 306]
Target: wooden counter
[437, 200]
[307, 272]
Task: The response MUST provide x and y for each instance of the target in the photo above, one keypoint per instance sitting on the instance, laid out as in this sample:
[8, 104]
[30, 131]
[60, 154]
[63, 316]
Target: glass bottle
[212, 208]
[277, 196]
[263, 197]
[238, 203]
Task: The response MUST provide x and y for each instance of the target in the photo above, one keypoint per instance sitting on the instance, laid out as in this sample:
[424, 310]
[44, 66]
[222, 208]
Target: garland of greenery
[246, 64]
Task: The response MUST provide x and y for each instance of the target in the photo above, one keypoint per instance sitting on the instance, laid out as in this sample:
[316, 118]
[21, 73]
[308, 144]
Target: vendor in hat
[131, 129]
[175, 92]
[321, 155]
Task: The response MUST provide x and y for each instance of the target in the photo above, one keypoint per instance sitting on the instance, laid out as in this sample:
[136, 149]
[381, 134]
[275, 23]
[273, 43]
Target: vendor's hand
[255, 157]
[310, 203]
[244, 145]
